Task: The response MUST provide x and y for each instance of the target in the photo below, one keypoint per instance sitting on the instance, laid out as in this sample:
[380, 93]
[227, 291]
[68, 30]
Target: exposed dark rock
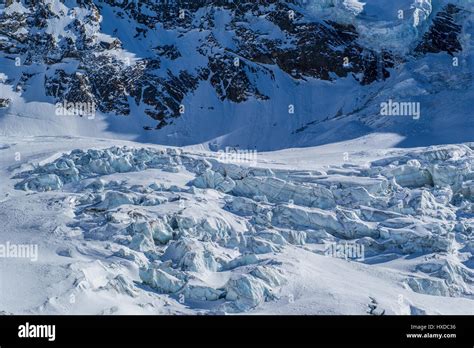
[4, 103]
[443, 35]
[304, 49]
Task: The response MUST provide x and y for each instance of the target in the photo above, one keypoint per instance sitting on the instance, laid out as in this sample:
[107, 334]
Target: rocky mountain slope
[367, 207]
[188, 72]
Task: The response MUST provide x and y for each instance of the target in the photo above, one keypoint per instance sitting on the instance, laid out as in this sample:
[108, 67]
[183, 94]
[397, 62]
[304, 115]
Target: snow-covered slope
[266, 75]
[323, 158]
[152, 230]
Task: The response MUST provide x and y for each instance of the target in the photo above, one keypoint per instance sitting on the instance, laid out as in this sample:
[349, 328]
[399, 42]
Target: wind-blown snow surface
[135, 229]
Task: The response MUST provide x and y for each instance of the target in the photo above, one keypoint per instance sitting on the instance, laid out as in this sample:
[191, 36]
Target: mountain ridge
[174, 67]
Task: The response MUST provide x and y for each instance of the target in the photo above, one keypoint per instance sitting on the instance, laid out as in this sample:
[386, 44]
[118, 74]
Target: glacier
[169, 230]
[227, 171]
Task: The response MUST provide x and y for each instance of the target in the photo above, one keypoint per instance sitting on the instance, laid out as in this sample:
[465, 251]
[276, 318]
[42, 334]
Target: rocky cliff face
[444, 33]
[151, 55]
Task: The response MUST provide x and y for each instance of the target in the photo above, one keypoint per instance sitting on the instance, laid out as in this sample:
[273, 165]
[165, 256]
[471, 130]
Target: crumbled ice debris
[42, 182]
[456, 277]
[213, 238]
[162, 281]
[202, 293]
[248, 290]
[121, 285]
[81, 164]
[410, 175]
[191, 255]
[429, 286]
